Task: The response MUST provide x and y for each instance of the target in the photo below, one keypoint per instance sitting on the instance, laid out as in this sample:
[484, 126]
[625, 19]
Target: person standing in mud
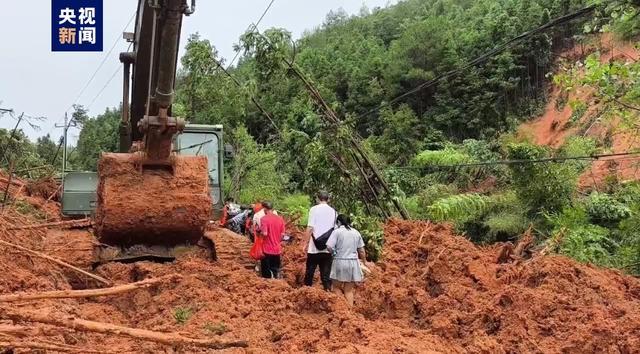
[347, 246]
[272, 228]
[322, 219]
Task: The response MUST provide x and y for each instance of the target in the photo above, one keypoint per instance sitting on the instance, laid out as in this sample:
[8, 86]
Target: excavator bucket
[152, 205]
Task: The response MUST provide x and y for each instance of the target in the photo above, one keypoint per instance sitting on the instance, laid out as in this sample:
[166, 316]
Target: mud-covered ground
[432, 292]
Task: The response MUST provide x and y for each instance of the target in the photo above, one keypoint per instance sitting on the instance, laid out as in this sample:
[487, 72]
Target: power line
[104, 60]
[255, 26]
[108, 82]
[555, 22]
[520, 161]
[104, 87]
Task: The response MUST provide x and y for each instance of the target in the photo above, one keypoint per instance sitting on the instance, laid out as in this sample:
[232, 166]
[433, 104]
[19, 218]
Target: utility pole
[5, 148]
[67, 124]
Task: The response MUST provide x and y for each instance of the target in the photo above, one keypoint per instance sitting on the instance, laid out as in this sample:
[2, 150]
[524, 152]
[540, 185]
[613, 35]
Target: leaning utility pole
[67, 124]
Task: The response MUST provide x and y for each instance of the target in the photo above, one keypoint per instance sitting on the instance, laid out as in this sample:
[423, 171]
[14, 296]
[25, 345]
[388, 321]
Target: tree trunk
[68, 294]
[108, 328]
[57, 261]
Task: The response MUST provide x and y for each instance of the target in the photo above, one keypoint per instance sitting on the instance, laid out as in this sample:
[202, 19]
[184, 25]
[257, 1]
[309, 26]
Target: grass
[217, 329]
[182, 314]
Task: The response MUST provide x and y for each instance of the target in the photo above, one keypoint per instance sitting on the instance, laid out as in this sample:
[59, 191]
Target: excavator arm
[148, 195]
[154, 60]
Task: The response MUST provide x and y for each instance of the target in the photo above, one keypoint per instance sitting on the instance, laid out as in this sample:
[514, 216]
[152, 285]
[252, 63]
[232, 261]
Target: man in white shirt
[322, 218]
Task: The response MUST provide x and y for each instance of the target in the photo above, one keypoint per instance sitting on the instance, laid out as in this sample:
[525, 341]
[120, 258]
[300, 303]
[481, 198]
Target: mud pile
[433, 292]
[435, 281]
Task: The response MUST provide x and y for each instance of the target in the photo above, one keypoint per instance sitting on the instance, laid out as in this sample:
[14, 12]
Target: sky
[39, 82]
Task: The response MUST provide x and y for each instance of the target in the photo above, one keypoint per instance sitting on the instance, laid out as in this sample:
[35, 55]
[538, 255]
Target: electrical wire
[521, 161]
[104, 60]
[252, 27]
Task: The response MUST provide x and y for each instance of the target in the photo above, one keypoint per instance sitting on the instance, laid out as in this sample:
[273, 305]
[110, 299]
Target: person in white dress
[347, 246]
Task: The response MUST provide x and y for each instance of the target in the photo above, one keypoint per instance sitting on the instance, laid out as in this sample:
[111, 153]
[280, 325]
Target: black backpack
[321, 241]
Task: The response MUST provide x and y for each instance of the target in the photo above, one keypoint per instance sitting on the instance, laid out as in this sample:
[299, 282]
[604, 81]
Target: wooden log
[56, 261]
[69, 294]
[108, 328]
[59, 224]
[46, 346]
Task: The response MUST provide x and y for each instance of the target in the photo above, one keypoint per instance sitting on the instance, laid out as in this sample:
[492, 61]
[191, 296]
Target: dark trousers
[322, 260]
[270, 266]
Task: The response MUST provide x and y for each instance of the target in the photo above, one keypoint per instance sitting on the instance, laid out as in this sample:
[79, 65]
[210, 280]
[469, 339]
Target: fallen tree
[6, 344]
[108, 328]
[61, 294]
[56, 261]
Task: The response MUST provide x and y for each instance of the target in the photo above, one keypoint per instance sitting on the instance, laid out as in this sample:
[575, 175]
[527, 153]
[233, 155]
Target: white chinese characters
[87, 35]
[87, 16]
[67, 15]
[77, 26]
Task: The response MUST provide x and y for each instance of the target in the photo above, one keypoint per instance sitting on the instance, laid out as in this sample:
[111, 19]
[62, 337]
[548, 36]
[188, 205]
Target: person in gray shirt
[347, 246]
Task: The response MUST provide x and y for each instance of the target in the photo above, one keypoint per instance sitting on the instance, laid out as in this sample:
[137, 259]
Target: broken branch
[59, 224]
[108, 328]
[56, 261]
[68, 294]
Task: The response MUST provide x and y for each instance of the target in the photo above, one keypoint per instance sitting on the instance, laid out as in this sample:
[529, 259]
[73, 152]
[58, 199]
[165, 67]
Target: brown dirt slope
[553, 127]
[449, 287]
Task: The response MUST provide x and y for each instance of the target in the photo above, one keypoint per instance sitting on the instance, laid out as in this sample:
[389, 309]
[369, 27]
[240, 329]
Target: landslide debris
[432, 292]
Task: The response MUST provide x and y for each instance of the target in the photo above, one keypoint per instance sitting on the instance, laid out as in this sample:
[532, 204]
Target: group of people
[331, 244]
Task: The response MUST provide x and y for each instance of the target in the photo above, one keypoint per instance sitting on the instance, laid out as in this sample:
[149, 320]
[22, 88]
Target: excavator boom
[148, 195]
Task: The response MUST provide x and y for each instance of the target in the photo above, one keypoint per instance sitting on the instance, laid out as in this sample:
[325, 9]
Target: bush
[459, 208]
[295, 204]
[588, 244]
[542, 187]
[505, 225]
[372, 234]
[604, 210]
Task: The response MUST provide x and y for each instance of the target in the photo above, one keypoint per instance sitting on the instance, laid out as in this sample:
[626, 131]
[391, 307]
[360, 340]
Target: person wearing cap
[322, 218]
[272, 228]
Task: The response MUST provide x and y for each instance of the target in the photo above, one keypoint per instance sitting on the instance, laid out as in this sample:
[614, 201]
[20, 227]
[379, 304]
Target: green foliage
[446, 157]
[372, 234]
[541, 186]
[253, 170]
[578, 108]
[27, 209]
[505, 225]
[99, 134]
[603, 209]
[19, 150]
[588, 244]
[46, 148]
[217, 329]
[293, 205]
[400, 140]
[182, 314]
[459, 208]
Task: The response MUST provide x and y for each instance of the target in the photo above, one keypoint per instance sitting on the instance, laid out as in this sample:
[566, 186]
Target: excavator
[162, 188]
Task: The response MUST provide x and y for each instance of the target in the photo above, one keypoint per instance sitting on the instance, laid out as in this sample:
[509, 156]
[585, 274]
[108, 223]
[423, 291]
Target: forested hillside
[436, 146]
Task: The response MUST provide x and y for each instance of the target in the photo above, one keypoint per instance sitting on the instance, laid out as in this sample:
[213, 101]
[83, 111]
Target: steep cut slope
[559, 122]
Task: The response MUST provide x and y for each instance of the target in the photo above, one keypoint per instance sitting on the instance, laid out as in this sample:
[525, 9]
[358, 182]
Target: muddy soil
[433, 292]
[171, 208]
